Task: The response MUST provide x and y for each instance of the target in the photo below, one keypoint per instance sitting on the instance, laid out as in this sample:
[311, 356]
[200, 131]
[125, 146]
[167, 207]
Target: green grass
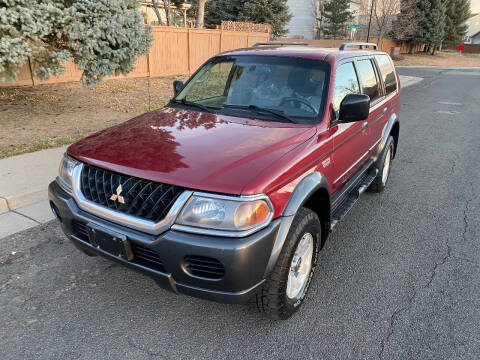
[12, 150]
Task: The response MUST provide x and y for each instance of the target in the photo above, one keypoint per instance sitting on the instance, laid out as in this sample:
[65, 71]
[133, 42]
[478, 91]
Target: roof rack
[345, 46]
[280, 43]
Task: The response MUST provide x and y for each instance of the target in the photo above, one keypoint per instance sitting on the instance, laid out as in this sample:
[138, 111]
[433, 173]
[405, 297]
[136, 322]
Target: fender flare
[304, 189]
[387, 130]
[302, 192]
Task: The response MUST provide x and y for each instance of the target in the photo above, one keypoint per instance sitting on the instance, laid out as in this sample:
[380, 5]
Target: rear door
[371, 85]
[348, 138]
[389, 80]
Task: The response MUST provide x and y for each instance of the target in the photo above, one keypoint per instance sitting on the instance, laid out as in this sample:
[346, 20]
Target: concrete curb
[407, 81]
[20, 200]
[3, 206]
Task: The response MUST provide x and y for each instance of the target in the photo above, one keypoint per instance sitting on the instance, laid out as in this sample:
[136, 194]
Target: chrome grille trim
[118, 217]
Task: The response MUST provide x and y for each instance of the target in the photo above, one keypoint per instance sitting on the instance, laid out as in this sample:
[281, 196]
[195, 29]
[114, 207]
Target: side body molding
[308, 186]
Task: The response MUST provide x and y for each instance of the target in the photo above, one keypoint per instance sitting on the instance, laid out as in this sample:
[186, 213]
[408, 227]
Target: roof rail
[345, 46]
[280, 43]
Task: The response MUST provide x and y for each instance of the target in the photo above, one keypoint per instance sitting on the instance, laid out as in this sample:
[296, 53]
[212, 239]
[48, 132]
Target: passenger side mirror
[354, 107]
[177, 87]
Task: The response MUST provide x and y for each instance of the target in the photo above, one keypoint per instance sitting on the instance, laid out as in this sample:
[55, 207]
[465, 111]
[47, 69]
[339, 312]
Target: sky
[475, 6]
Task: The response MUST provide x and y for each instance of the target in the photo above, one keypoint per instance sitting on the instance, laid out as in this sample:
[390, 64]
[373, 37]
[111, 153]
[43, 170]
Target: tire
[384, 166]
[278, 298]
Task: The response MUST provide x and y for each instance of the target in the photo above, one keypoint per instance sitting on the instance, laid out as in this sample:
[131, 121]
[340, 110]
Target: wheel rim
[300, 267]
[386, 166]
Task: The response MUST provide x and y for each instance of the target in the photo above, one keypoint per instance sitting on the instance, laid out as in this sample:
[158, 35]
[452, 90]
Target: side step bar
[353, 196]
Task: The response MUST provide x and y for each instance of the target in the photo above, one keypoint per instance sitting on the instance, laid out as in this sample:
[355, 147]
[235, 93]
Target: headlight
[65, 172]
[226, 213]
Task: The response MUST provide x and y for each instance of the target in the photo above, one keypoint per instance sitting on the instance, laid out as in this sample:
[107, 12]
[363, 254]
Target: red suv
[229, 192]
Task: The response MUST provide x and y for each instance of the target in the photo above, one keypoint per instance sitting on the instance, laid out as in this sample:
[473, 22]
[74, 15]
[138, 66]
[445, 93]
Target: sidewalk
[23, 189]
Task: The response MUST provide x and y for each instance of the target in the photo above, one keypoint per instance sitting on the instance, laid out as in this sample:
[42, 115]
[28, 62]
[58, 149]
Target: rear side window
[368, 79]
[346, 82]
[388, 73]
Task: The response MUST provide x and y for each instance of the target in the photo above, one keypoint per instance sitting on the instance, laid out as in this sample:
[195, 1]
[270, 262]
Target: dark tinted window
[346, 82]
[388, 73]
[368, 79]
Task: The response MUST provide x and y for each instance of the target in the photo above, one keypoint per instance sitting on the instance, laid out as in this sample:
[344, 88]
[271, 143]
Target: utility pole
[370, 20]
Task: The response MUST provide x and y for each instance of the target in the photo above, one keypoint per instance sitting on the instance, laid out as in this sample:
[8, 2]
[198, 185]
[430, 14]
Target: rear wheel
[384, 166]
[288, 284]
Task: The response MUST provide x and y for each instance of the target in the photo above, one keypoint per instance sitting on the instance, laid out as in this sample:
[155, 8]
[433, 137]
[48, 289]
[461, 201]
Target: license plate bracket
[110, 242]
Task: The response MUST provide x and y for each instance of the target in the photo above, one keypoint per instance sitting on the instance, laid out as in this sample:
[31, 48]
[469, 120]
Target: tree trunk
[200, 13]
[166, 6]
[434, 50]
[155, 9]
[412, 48]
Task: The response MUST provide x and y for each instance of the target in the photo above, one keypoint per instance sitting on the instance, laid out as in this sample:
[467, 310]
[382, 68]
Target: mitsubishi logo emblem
[117, 196]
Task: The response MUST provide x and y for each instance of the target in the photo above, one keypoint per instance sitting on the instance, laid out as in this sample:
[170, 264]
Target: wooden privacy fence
[175, 51]
[469, 48]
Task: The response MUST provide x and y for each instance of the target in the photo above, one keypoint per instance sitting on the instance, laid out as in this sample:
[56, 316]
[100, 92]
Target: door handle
[365, 125]
[385, 110]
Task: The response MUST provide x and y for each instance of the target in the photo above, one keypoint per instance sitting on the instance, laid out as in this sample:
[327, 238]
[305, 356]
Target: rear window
[388, 73]
[368, 79]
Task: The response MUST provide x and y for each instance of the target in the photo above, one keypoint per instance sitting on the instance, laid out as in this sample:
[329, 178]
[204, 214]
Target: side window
[388, 73]
[346, 82]
[368, 79]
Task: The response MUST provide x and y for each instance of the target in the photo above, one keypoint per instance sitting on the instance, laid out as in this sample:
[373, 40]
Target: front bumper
[246, 260]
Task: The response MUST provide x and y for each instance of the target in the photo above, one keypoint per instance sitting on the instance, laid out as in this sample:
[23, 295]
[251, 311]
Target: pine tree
[273, 12]
[336, 14]
[217, 11]
[405, 25]
[437, 23]
[103, 37]
[458, 12]
[422, 30]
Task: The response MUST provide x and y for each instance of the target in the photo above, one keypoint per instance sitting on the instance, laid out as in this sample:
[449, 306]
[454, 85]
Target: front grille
[205, 267]
[140, 198]
[80, 231]
[146, 257]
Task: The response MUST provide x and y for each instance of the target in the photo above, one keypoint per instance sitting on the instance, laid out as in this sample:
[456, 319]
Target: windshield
[295, 89]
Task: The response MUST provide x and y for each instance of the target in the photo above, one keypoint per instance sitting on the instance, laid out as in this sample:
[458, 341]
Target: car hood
[194, 150]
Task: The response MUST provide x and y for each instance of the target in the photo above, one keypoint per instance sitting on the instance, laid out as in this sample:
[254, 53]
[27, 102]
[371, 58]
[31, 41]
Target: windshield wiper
[257, 109]
[191, 103]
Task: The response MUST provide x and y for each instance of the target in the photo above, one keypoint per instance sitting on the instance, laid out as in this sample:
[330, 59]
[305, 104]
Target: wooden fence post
[221, 40]
[189, 51]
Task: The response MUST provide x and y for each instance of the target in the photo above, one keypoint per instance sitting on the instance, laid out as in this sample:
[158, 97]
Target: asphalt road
[399, 278]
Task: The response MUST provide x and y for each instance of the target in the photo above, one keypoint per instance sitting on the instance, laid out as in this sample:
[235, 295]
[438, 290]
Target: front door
[349, 139]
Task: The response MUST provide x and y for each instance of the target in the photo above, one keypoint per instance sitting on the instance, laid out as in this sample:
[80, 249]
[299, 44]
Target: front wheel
[288, 284]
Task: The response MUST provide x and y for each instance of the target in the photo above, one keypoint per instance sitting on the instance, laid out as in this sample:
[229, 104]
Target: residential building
[178, 15]
[305, 22]
[304, 18]
[473, 33]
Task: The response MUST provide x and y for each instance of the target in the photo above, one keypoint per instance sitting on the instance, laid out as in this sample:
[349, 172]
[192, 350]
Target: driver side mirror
[354, 107]
[177, 87]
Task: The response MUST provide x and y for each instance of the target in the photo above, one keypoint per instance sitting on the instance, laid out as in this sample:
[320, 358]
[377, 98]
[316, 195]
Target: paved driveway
[399, 278]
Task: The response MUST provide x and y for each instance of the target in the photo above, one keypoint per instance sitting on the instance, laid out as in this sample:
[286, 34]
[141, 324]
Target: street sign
[353, 26]
[461, 47]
